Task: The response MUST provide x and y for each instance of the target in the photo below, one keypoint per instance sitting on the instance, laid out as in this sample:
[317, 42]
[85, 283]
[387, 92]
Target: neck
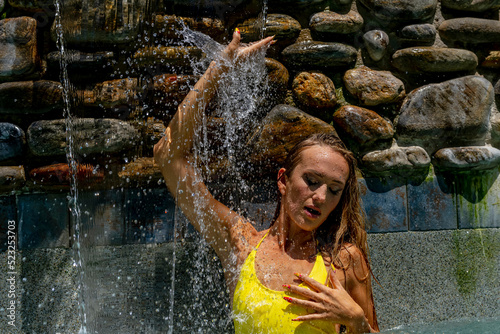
[293, 240]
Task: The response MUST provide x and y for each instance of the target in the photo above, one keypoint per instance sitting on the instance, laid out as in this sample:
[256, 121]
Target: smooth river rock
[376, 42]
[396, 159]
[469, 157]
[397, 13]
[363, 127]
[27, 97]
[178, 56]
[418, 34]
[319, 55]
[470, 30]
[112, 93]
[278, 132]
[11, 177]
[373, 87]
[447, 114]
[11, 141]
[169, 26]
[302, 10]
[282, 27]
[471, 5]
[48, 138]
[18, 48]
[314, 90]
[434, 60]
[328, 22]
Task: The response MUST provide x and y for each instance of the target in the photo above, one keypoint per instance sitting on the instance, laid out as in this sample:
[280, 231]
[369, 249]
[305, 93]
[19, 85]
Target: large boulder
[467, 158]
[448, 114]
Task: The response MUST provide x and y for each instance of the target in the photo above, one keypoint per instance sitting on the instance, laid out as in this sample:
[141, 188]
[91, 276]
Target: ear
[282, 181]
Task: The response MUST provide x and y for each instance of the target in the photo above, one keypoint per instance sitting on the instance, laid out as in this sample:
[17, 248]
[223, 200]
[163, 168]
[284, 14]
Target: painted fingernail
[295, 320]
[288, 299]
[286, 286]
[273, 41]
[237, 31]
[298, 275]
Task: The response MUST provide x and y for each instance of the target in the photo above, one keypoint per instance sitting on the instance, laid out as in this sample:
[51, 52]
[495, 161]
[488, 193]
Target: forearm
[182, 128]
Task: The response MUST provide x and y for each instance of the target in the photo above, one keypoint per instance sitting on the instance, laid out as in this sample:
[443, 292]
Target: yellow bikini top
[260, 310]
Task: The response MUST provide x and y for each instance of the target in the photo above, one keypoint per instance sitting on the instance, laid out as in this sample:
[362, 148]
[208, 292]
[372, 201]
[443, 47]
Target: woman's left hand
[333, 304]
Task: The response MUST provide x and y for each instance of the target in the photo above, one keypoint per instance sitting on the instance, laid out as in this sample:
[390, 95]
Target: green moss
[475, 251]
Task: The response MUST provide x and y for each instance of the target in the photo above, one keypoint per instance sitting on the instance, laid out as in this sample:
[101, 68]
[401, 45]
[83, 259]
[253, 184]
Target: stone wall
[412, 87]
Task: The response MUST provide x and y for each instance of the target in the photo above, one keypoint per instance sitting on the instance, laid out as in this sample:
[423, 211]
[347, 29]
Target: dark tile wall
[139, 216]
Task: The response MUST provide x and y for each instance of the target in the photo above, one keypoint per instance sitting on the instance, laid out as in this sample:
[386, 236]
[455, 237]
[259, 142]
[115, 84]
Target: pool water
[465, 326]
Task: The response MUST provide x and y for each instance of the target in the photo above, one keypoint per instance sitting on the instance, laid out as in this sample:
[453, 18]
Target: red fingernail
[286, 286]
[237, 30]
[288, 299]
[295, 319]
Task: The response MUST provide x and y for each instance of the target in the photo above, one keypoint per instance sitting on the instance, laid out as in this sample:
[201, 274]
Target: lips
[312, 211]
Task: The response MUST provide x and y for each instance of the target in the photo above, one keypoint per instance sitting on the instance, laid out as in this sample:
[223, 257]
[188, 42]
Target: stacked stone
[401, 85]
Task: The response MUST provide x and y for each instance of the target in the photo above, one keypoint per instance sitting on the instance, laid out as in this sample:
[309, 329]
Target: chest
[274, 268]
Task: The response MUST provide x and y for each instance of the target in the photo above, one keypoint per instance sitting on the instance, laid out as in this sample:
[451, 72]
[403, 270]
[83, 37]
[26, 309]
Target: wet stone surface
[278, 132]
[46, 138]
[363, 128]
[467, 158]
[284, 28]
[26, 97]
[471, 5]
[398, 160]
[432, 60]
[492, 60]
[376, 42]
[11, 177]
[470, 30]
[397, 13]
[373, 87]
[418, 34]
[314, 90]
[319, 55]
[435, 116]
[86, 24]
[168, 26]
[18, 51]
[11, 141]
[328, 22]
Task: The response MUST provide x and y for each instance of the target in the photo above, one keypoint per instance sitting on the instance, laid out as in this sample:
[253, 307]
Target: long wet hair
[345, 224]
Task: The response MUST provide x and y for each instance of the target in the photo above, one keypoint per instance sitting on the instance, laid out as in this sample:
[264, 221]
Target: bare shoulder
[354, 264]
[243, 236]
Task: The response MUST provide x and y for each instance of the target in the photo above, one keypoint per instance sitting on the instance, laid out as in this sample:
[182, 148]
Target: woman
[282, 280]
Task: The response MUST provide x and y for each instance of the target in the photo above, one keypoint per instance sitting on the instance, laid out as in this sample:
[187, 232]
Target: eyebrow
[322, 175]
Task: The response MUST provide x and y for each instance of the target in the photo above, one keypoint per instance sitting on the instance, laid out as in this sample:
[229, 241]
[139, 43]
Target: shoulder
[354, 264]
[243, 236]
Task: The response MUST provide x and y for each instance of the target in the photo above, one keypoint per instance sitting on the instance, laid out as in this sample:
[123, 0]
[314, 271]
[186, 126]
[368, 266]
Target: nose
[319, 195]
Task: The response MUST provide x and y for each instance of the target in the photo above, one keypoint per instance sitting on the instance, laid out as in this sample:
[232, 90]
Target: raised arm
[210, 217]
